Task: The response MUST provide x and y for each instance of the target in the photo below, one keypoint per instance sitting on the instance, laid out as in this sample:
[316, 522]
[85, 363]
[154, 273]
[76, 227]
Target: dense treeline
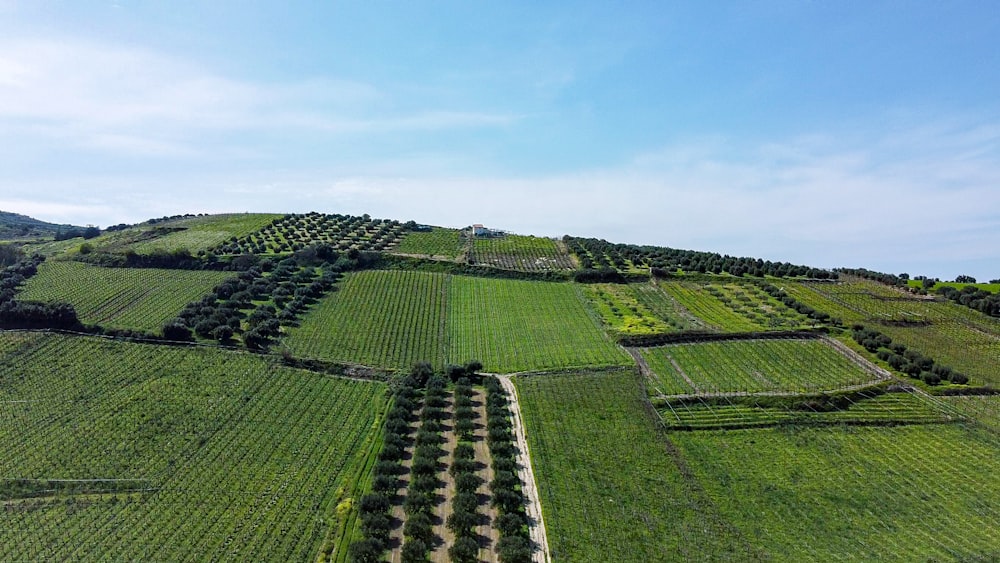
[373, 508]
[289, 287]
[974, 298]
[802, 308]
[881, 277]
[910, 362]
[465, 514]
[30, 314]
[506, 488]
[598, 254]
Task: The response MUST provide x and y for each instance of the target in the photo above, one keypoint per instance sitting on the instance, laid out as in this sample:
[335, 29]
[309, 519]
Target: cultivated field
[438, 243]
[289, 233]
[132, 298]
[612, 486]
[118, 451]
[906, 493]
[513, 326]
[951, 334]
[392, 319]
[379, 318]
[519, 252]
[753, 366]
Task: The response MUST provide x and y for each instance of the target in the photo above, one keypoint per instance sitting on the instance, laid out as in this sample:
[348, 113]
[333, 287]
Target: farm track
[488, 534]
[439, 552]
[527, 475]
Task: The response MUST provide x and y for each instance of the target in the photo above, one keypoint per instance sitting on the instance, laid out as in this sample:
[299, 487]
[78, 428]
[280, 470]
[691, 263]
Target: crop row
[518, 252]
[257, 451]
[393, 318]
[442, 243]
[901, 493]
[752, 366]
[131, 298]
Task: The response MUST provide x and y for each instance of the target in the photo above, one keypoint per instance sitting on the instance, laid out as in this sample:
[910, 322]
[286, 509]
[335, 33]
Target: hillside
[14, 226]
[328, 387]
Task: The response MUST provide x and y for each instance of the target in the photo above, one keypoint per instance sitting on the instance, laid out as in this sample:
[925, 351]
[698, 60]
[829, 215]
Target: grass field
[984, 409]
[378, 318]
[442, 243]
[752, 366]
[612, 488]
[622, 312]
[134, 298]
[906, 493]
[512, 325]
[708, 308]
[519, 252]
[172, 453]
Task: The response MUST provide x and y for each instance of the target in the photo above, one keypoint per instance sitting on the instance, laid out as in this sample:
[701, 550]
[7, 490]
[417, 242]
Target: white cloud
[132, 100]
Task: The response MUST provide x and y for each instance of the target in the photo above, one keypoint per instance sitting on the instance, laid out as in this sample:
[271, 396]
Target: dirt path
[857, 359]
[527, 475]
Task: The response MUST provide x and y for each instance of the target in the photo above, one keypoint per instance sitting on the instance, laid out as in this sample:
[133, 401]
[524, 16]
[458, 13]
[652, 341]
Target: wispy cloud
[135, 101]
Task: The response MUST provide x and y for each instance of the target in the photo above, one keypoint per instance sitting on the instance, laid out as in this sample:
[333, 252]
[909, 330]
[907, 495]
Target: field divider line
[527, 474]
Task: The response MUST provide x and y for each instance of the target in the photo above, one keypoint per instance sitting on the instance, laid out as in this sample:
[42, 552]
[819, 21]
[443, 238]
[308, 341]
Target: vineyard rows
[869, 408]
[518, 252]
[942, 330]
[392, 319]
[438, 243]
[258, 452]
[294, 232]
[903, 493]
[623, 313]
[752, 366]
[611, 490]
[132, 298]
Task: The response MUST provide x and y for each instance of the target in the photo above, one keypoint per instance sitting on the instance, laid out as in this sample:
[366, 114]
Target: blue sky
[825, 133]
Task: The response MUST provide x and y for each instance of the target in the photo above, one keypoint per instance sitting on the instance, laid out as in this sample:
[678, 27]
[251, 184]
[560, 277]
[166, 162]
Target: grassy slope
[611, 488]
[244, 458]
[132, 298]
[908, 493]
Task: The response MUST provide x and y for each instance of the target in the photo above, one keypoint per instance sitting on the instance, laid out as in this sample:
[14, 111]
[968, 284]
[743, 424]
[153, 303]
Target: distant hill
[16, 226]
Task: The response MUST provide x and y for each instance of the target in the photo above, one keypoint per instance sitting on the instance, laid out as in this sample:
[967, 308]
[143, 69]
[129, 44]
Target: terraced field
[119, 451]
[753, 366]
[132, 298]
[951, 334]
[904, 493]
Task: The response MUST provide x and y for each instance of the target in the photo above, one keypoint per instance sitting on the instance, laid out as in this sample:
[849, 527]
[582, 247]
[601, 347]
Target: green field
[133, 298]
[379, 318]
[991, 287]
[753, 366]
[438, 243]
[512, 326]
[708, 308]
[290, 233]
[906, 493]
[118, 451]
[612, 487]
[984, 409]
[950, 333]
[519, 252]
[622, 312]
[392, 319]
[866, 408]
